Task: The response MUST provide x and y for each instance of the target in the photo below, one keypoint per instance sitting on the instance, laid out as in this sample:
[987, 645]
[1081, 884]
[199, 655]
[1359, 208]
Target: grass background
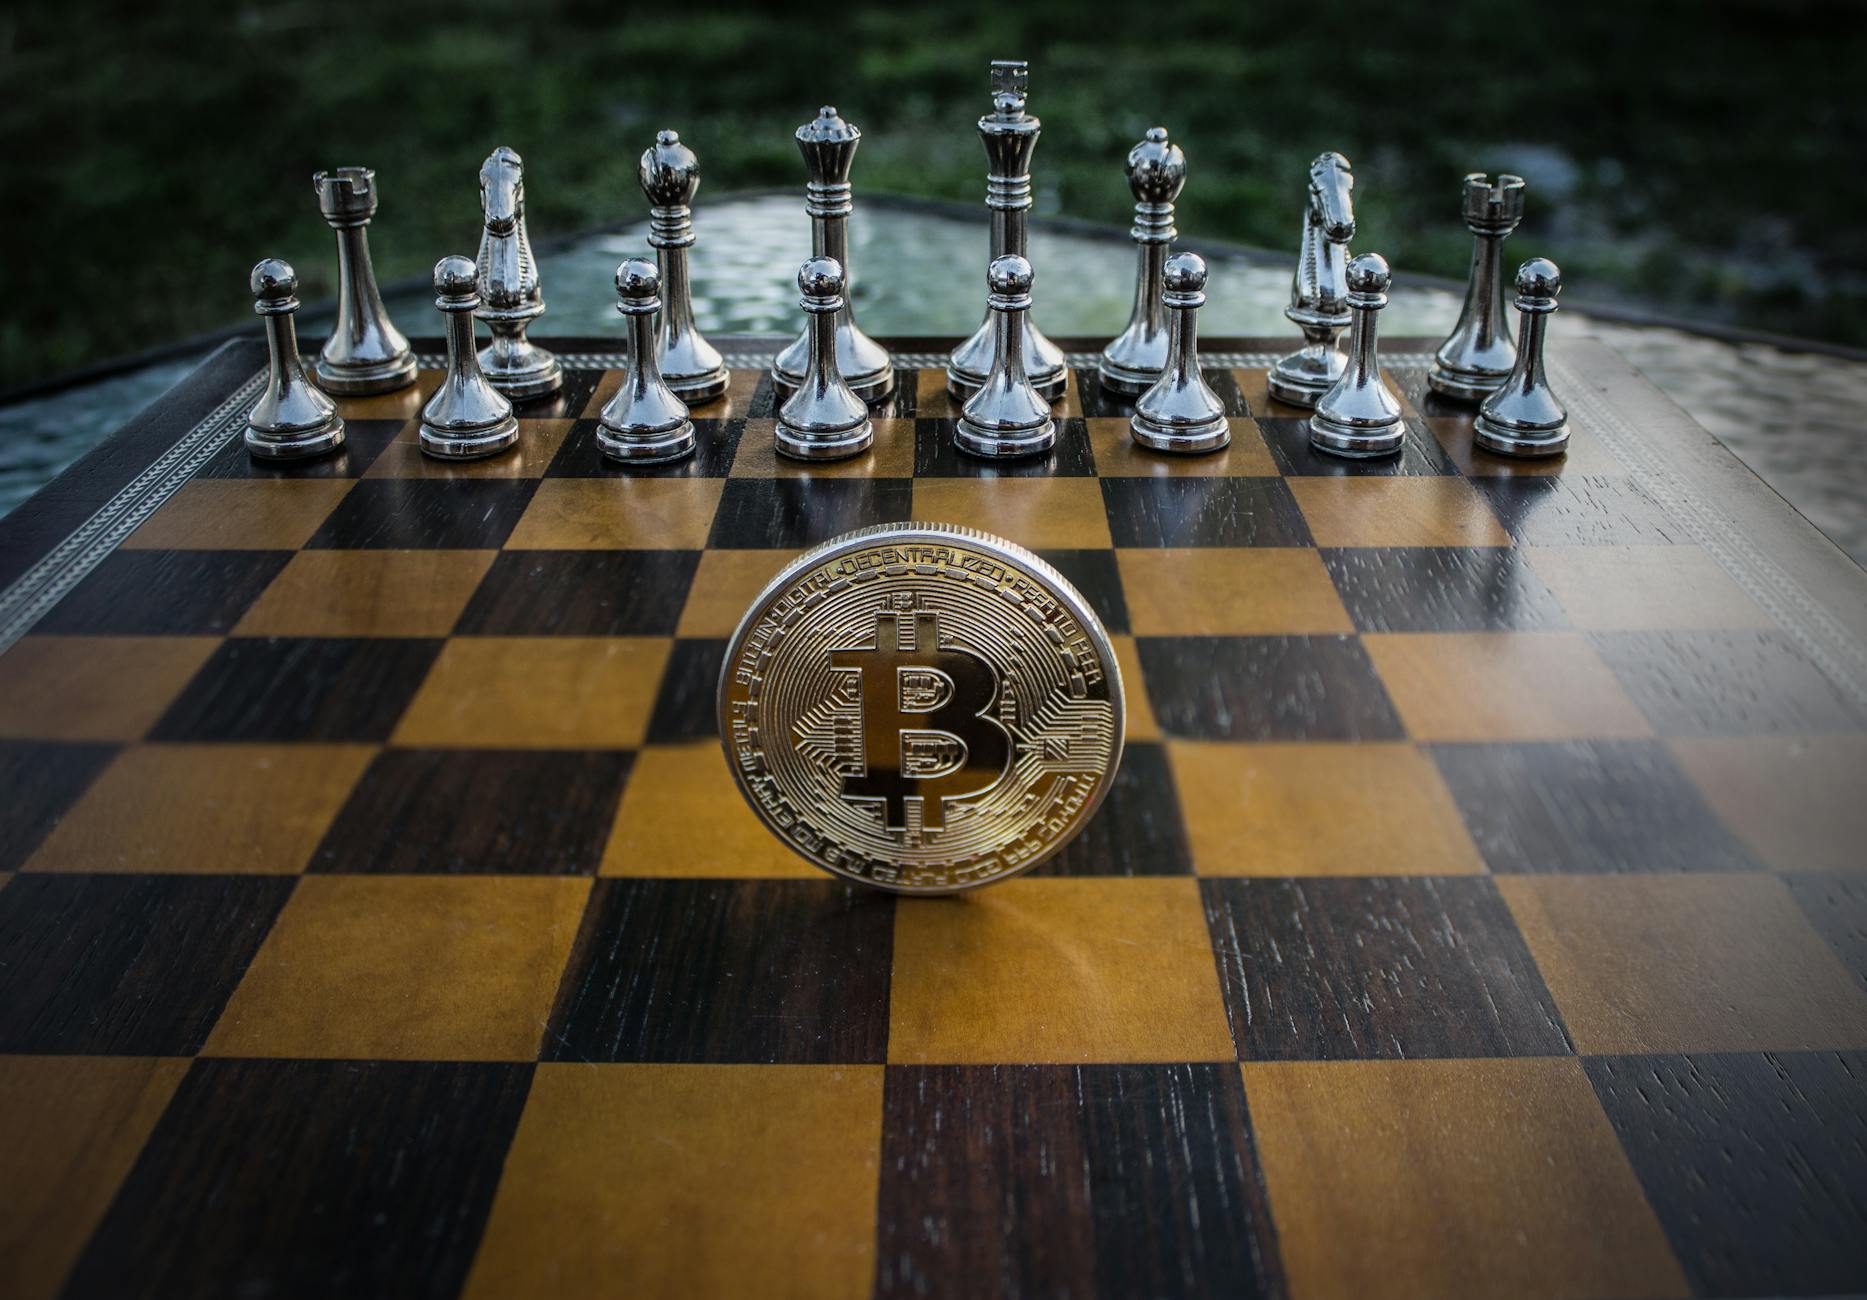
[1701, 158]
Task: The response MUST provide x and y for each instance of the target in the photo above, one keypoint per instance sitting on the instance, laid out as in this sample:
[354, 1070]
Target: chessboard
[1479, 909]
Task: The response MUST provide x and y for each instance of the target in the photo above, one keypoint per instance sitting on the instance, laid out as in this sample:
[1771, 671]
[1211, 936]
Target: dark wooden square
[42, 779]
[1441, 589]
[936, 455]
[716, 442]
[474, 812]
[1578, 510]
[687, 706]
[798, 512]
[125, 965]
[1837, 907]
[1383, 967]
[1097, 576]
[364, 441]
[1290, 447]
[1752, 1162]
[1137, 831]
[165, 593]
[1054, 1180]
[313, 1179]
[401, 513]
[1266, 688]
[749, 971]
[1610, 805]
[1738, 683]
[1194, 510]
[1099, 403]
[299, 688]
[566, 403]
[580, 593]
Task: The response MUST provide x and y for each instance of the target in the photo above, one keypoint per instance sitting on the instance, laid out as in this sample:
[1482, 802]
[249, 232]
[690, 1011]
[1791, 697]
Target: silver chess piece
[828, 144]
[1180, 413]
[293, 419]
[366, 353]
[511, 297]
[823, 419]
[1358, 417]
[646, 422]
[466, 418]
[1318, 291]
[1007, 416]
[1137, 356]
[1477, 355]
[670, 174]
[1010, 136]
[1524, 417]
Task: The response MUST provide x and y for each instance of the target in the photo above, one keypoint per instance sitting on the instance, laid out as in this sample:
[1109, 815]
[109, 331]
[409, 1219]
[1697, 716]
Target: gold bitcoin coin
[922, 707]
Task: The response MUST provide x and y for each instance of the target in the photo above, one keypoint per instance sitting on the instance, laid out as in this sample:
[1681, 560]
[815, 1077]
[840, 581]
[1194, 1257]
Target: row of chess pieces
[1007, 374]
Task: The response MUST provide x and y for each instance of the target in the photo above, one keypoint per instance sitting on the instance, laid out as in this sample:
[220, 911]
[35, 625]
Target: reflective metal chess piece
[1010, 136]
[828, 144]
[511, 297]
[466, 418]
[1007, 416]
[823, 419]
[1358, 417]
[646, 422]
[366, 353]
[1524, 417]
[670, 174]
[1318, 290]
[1477, 355]
[292, 419]
[1180, 413]
[1137, 356]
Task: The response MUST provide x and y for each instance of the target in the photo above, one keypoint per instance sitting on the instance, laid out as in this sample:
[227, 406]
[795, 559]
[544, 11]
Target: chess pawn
[511, 297]
[1008, 416]
[1137, 356]
[1180, 413]
[670, 174]
[1010, 136]
[1477, 355]
[1359, 417]
[467, 418]
[1523, 417]
[828, 144]
[1318, 290]
[645, 423]
[292, 419]
[365, 353]
[823, 419]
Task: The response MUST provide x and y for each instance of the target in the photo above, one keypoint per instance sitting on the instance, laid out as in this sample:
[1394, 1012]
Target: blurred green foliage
[1690, 157]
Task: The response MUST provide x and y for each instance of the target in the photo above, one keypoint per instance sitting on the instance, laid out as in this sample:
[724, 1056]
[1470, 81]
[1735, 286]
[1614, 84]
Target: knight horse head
[508, 277]
[1321, 284]
[502, 190]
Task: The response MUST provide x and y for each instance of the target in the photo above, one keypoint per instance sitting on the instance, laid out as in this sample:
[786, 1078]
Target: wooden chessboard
[1480, 908]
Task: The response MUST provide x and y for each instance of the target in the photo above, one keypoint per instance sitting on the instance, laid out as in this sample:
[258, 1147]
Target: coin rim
[859, 539]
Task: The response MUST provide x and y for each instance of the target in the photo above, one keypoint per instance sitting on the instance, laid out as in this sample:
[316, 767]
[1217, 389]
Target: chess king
[922, 707]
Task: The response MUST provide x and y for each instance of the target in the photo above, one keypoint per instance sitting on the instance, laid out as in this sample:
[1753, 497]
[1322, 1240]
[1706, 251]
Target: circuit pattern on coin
[922, 707]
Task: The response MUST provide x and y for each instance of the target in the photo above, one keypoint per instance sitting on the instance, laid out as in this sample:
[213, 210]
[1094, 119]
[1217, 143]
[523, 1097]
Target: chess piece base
[301, 445]
[676, 444]
[696, 390]
[1185, 439]
[1298, 381]
[1356, 442]
[469, 444]
[363, 381]
[1470, 386]
[521, 373]
[1518, 442]
[992, 444]
[819, 446]
[1124, 380]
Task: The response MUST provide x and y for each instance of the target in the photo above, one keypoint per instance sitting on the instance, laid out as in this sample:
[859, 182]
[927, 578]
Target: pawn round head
[273, 281]
[820, 277]
[1009, 275]
[1156, 168]
[1368, 274]
[669, 172]
[1184, 273]
[1539, 278]
[637, 280]
[455, 277]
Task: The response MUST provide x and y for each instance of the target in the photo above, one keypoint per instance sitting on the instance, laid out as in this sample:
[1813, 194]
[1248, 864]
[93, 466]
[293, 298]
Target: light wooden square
[94, 687]
[1503, 686]
[1398, 510]
[241, 515]
[1796, 801]
[367, 593]
[537, 693]
[682, 815]
[1041, 513]
[1644, 588]
[620, 513]
[1214, 591]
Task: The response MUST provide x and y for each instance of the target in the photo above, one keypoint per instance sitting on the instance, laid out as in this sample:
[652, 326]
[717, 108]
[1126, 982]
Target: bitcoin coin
[922, 707]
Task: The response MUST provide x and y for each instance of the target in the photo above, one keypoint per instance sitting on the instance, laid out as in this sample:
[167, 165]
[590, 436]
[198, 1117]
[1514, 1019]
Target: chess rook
[1180, 413]
[1319, 290]
[646, 422]
[1136, 357]
[828, 144]
[1524, 417]
[511, 297]
[1477, 356]
[670, 174]
[467, 418]
[823, 419]
[1359, 417]
[1007, 416]
[292, 419]
[1010, 136]
[366, 353]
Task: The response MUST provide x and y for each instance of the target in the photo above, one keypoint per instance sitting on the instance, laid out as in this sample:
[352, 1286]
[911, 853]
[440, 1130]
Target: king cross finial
[1010, 82]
